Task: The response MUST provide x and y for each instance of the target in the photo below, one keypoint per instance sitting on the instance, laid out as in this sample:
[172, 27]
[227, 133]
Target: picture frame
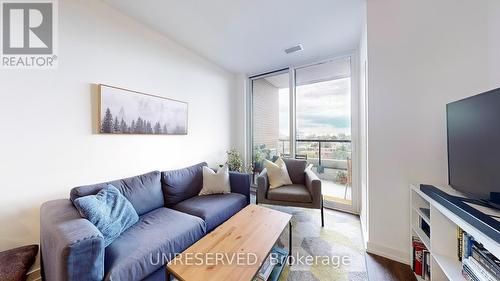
[123, 111]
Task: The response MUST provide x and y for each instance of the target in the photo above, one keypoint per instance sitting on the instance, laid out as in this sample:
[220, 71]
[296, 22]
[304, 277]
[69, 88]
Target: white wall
[47, 144]
[239, 117]
[422, 55]
[363, 130]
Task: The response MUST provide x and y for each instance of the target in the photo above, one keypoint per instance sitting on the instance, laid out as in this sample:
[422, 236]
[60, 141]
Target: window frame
[354, 75]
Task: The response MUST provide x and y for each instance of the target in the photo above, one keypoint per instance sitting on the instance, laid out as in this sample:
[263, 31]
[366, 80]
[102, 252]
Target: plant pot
[320, 169]
[257, 166]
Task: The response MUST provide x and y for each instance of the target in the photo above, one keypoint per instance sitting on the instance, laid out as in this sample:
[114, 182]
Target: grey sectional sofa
[172, 217]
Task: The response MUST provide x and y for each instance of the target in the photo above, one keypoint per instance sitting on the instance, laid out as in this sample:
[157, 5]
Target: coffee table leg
[290, 241]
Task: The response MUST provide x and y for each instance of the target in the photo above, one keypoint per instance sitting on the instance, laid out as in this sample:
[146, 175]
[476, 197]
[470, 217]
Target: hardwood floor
[380, 268]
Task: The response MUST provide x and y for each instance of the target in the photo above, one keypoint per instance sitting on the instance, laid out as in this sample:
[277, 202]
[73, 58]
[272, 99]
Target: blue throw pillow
[109, 211]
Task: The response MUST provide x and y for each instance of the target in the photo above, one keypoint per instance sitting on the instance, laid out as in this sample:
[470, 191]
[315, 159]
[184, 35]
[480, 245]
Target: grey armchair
[305, 192]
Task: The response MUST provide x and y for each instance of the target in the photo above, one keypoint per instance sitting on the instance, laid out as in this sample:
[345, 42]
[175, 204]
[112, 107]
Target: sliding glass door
[305, 112]
[270, 118]
[323, 126]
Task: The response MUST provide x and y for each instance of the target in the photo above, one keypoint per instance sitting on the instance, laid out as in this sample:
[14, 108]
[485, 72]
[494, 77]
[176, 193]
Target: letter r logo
[27, 28]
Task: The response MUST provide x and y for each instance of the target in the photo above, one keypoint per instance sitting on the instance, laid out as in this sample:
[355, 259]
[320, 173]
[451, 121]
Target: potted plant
[342, 177]
[320, 169]
[260, 153]
[235, 163]
[257, 156]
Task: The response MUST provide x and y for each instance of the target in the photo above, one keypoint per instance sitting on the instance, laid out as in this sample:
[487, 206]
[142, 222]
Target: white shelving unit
[442, 243]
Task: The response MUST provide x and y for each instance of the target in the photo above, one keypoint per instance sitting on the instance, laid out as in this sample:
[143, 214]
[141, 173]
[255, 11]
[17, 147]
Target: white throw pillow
[215, 183]
[277, 173]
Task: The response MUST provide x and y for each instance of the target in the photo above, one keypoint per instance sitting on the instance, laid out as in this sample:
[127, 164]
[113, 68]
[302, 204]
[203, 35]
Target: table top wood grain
[250, 235]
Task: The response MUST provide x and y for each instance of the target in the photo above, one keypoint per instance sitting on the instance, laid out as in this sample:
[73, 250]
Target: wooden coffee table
[252, 232]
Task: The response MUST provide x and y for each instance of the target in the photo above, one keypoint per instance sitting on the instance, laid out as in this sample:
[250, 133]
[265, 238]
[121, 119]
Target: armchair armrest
[240, 183]
[262, 186]
[72, 248]
[313, 183]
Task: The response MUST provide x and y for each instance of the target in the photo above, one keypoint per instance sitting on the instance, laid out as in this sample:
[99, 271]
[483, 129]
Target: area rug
[337, 249]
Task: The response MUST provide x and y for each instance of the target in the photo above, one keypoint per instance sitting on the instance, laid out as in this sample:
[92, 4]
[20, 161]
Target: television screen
[474, 144]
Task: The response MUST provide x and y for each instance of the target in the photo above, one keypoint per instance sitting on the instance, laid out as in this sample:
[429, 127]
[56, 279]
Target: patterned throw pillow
[277, 173]
[109, 211]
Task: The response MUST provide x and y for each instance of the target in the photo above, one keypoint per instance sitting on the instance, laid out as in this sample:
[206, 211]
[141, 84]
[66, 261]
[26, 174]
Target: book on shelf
[478, 264]
[485, 259]
[418, 256]
[466, 245]
[265, 269]
[467, 273]
[477, 271]
[460, 240]
[426, 271]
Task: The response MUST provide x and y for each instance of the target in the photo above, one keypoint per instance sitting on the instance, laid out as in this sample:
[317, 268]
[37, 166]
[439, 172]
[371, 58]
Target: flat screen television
[473, 127]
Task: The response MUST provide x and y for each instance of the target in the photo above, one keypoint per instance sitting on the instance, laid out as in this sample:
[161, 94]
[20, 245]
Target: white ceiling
[249, 36]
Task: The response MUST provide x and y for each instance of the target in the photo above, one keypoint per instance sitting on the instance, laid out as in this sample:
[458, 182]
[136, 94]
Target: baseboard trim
[387, 252]
[364, 233]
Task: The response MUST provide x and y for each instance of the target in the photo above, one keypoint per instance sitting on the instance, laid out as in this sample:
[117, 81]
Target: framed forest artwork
[128, 112]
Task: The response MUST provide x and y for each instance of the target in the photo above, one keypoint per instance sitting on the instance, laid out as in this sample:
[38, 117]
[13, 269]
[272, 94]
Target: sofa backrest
[143, 191]
[182, 184]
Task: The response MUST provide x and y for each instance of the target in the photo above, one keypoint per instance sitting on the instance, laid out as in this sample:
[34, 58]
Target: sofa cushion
[214, 209]
[290, 193]
[296, 169]
[182, 184]
[143, 191]
[158, 275]
[138, 251]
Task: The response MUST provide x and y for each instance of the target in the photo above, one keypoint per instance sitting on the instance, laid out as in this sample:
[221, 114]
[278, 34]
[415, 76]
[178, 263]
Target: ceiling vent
[294, 49]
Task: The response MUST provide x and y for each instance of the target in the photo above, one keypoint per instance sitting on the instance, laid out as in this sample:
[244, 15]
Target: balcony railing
[329, 157]
[308, 152]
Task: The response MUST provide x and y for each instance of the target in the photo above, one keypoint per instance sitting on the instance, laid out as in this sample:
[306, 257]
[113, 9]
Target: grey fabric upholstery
[262, 186]
[138, 251]
[305, 192]
[72, 247]
[213, 209]
[290, 193]
[313, 184]
[143, 191]
[159, 275]
[182, 184]
[240, 183]
[296, 170]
